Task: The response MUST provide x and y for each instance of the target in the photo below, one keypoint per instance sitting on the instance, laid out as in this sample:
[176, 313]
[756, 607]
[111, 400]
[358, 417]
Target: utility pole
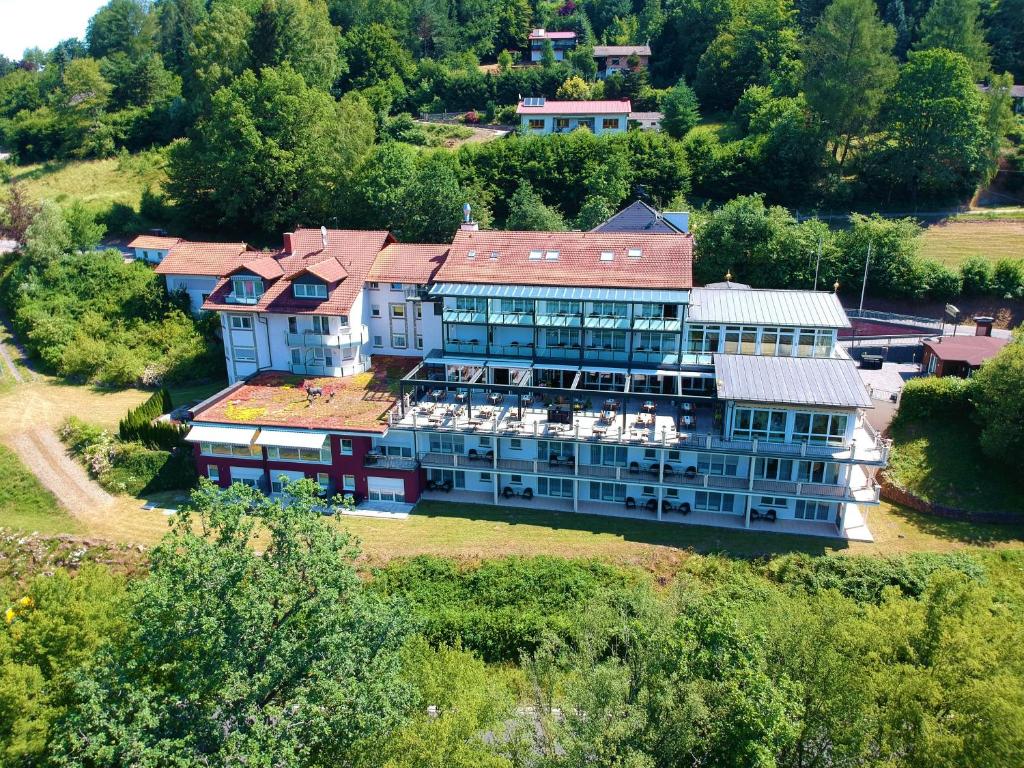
[817, 264]
[864, 285]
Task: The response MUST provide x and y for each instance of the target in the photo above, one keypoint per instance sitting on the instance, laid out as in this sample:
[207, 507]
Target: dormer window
[246, 289]
[309, 290]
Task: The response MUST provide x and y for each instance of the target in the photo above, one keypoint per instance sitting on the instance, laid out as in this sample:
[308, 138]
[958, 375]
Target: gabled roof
[407, 263]
[972, 350]
[329, 270]
[805, 309]
[156, 242]
[585, 259]
[259, 263]
[622, 50]
[638, 216]
[353, 251]
[819, 381]
[621, 107]
[188, 257]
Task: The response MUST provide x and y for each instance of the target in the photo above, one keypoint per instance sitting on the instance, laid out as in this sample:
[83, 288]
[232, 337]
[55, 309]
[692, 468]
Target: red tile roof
[195, 258]
[357, 403]
[407, 263]
[259, 263]
[328, 270]
[354, 251]
[576, 108]
[155, 242]
[973, 350]
[664, 260]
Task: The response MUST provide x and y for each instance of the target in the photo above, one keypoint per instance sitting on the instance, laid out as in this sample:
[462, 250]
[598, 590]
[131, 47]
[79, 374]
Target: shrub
[1008, 278]
[976, 276]
[929, 397]
[865, 578]
[937, 281]
[138, 424]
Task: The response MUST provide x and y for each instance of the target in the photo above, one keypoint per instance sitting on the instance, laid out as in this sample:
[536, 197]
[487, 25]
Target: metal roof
[824, 381]
[638, 216]
[556, 292]
[806, 309]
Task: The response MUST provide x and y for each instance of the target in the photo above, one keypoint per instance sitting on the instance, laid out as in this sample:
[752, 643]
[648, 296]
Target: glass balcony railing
[657, 324]
[510, 318]
[464, 316]
[465, 348]
[614, 322]
[313, 339]
[511, 350]
[559, 320]
[234, 298]
[655, 357]
[312, 369]
[603, 354]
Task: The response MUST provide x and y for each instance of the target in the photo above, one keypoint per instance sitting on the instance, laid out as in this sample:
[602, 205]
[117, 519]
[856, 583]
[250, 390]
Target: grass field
[25, 505]
[953, 242]
[99, 184]
[942, 462]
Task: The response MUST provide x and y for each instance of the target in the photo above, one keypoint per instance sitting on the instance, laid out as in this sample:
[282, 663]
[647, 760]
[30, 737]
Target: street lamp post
[864, 285]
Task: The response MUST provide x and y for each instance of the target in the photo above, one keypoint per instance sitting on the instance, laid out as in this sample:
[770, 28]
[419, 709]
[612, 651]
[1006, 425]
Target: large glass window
[548, 448]
[813, 510]
[760, 423]
[457, 476]
[608, 492]
[805, 343]
[652, 342]
[445, 443]
[561, 337]
[707, 501]
[309, 290]
[615, 340]
[223, 449]
[562, 307]
[284, 453]
[470, 304]
[515, 306]
[786, 341]
[608, 309]
[718, 464]
[827, 428]
[773, 469]
[817, 472]
[247, 289]
[740, 340]
[608, 455]
[555, 486]
[703, 338]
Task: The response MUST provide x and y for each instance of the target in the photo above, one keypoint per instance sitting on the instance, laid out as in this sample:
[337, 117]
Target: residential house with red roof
[572, 371]
[561, 43]
[542, 116]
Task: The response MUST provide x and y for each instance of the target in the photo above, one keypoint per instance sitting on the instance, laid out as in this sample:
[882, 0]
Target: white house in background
[195, 267]
[561, 43]
[617, 58]
[152, 248]
[543, 116]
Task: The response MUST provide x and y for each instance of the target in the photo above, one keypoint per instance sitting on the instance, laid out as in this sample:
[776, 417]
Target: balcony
[559, 320]
[310, 369]
[347, 338]
[609, 322]
[466, 316]
[512, 350]
[655, 357]
[667, 324]
[472, 347]
[510, 318]
[605, 354]
[234, 298]
[380, 461]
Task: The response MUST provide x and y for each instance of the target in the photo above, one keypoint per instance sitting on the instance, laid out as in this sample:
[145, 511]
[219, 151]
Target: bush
[865, 578]
[976, 276]
[500, 608]
[139, 425]
[937, 281]
[1008, 278]
[929, 397]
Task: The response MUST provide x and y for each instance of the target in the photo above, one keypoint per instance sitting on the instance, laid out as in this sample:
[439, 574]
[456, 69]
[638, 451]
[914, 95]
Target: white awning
[689, 374]
[285, 439]
[203, 433]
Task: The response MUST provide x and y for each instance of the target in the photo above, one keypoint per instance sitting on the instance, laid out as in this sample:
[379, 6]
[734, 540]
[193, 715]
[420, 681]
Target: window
[348, 482]
[515, 479]
[718, 464]
[536, 124]
[241, 323]
[445, 443]
[246, 289]
[635, 253]
[826, 428]
[248, 482]
[774, 501]
[769, 341]
[562, 307]
[470, 304]
[309, 290]
[608, 492]
[485, 442]
[396, 286]
[611, 340]
[609, 309]
[321, 324]
[672, 493]
[610, 123]
[223, 449]
[607, 256]
[346, 446]
[813, 510]
[516, 306]
[296, 356]
[740, 340]
[293, 325]
[651, 342]
[245, 354]
[419, 341]
[703, 338]
[515, 444]
[534, 255]
[608, 455]
[561, 337]
[399, 341]
[555, 486]
[378, 341]
[548, 448]
[398, 310]
[373, 285]
[773, 469]
[375, 310]
[817, 472]
[213, 472]
[485, 477]
[755, 423]
[551, 255]
[713, 502]
[456, 477]
[285, 453]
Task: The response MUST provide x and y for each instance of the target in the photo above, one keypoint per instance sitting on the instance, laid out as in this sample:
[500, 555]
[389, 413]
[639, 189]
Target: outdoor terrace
[609, 417]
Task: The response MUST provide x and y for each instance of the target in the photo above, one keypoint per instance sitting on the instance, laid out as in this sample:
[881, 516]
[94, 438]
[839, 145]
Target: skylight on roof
[536, 254]
[551, 255]
[635, 253]
[471, 254]
[607, 256]
[494, 255]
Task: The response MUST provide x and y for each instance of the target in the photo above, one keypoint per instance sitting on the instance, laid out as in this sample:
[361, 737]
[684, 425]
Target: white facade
[399, 321]
[198, 288]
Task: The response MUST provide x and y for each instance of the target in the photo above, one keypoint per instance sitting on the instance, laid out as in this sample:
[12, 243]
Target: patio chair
[630, 502]
[770, 515]
[527, 494]
[507, 492]
[634, 468]
[669, 470]
[651, 505]
[755, 514]
[431, 485]
[472, 454]
[666, 505]
[684, 508]
[653, 470]
[489, 456]
[690, 473]
[447, 486]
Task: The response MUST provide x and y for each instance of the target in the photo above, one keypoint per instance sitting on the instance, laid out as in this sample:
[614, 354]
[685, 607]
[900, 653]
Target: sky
[42, 23]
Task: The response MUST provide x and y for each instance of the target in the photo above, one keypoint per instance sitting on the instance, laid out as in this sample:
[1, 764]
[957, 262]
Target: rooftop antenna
[323, 235]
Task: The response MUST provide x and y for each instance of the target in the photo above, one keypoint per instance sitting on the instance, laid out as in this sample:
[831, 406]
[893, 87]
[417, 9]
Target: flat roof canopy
[564, 293]
[286, 439]
[787, 308]
[203, 433]
[824, 381]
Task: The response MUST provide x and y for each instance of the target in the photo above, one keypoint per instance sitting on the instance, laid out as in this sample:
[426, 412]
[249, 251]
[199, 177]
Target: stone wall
[896, 494]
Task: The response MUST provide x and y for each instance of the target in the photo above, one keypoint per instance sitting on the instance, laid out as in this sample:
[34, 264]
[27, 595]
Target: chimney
[288, 242]
[983, 326]
[468, 225]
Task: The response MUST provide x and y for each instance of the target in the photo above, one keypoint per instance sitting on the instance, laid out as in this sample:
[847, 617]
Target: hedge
[928, 397]
[139, 425]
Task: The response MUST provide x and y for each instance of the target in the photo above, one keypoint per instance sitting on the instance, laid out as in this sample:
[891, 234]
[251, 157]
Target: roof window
[551, 255]
[536, 254]
[607, 256]
[635, 253]
[494, 256]
[471, 255]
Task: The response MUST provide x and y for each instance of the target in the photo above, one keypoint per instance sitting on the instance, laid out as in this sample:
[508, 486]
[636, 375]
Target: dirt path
[15, 373]
[41, 451]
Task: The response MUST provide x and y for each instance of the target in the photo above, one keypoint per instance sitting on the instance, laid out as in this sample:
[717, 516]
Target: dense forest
[220, 653]
[280, 112]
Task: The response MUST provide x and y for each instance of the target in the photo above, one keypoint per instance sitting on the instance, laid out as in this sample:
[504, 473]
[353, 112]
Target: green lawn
[952, 242]
[186, 394]
[24, 504]
[942, 462]
[99, 184]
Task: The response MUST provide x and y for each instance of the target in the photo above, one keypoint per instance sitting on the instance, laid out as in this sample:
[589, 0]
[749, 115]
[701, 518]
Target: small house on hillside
[561, 43]
[542, 116]
[961, 355]
[616, 58]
